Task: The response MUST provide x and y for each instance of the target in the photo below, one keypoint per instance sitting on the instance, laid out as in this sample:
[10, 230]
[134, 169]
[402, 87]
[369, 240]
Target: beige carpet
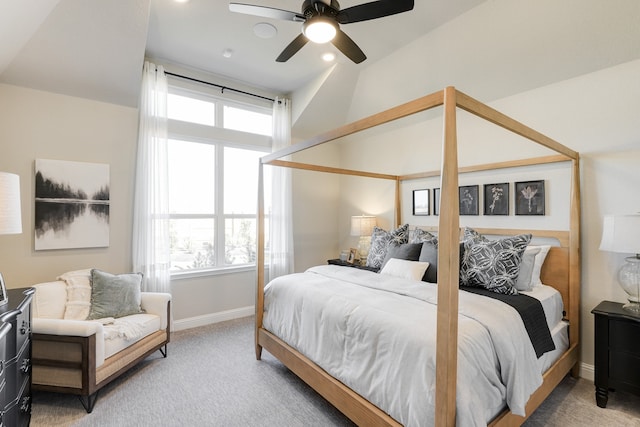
[211, 378]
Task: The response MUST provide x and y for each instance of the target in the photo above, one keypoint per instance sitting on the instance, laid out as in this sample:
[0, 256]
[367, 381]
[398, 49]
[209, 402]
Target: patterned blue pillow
[492, 264]
[380, 242]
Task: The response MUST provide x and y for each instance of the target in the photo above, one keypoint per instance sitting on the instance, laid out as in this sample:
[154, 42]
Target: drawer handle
[26, 404]
[25, 329]
[26, 365]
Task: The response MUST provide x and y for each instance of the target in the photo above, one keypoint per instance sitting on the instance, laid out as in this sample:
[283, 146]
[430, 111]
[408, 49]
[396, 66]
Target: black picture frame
[530, 198]
[421, 202]
[4, 298]
[469, 199]
[436, 201]
[496, 199]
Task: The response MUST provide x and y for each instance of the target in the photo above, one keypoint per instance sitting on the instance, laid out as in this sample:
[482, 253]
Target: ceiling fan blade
[293, 48]
[347, 46]
[266, 12]
[373, 10]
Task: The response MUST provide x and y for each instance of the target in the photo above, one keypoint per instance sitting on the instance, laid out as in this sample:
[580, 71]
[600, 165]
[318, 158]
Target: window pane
[191, 177]
[240, 241]
[192, 243]
[247, 121]
[241, 180]
[191, 110]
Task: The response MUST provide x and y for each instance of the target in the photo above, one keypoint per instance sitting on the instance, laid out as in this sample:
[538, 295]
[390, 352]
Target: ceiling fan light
[319, 30]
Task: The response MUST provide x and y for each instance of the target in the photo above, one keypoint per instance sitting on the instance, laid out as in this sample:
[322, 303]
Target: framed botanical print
[496, 199]
[468, 199]
[530, 197]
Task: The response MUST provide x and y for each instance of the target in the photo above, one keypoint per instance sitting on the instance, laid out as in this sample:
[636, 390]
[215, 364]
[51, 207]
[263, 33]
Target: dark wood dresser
[16, 363]
[617, 351]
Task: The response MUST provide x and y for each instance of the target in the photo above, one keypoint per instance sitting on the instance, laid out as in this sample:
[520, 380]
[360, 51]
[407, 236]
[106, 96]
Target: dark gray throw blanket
[532, 314]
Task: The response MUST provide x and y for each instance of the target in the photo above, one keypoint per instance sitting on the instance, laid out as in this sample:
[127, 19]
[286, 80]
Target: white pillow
[49, 300]
[78, 294]
[525, 275]
[405, 269]
[537, 267]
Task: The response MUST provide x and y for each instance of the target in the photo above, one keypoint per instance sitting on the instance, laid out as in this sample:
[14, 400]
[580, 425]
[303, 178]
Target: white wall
[595, 114]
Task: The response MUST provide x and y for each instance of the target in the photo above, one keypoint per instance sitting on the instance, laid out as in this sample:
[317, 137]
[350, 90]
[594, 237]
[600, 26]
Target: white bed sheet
[376, 334]
[551, 303]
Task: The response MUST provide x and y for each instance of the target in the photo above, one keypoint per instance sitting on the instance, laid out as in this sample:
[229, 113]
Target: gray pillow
[381, 240]
[429, 253]
[493, 264]
[418, 235]
[407, 251]
[114, 295]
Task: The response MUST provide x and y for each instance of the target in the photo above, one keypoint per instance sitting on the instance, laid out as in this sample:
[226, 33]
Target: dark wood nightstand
[346, 264]
[617, 351]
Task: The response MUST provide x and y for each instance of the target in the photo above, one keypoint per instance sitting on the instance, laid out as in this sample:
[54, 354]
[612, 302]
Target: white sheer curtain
[280, 219]
[150, 251]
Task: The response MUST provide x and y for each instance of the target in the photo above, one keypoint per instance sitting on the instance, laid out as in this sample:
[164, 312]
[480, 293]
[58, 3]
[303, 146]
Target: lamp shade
[10, 216]
[362, 225]
[621, 233]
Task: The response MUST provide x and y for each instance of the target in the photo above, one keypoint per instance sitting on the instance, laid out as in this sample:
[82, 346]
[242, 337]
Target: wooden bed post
[448, 270]
[260, 260]
[574, 260]
[398, 200]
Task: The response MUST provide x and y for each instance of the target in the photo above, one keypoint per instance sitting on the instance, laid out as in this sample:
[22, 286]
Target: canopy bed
[561, 270]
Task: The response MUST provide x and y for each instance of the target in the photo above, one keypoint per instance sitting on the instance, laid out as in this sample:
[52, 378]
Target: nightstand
[617, 351]
[346, 264]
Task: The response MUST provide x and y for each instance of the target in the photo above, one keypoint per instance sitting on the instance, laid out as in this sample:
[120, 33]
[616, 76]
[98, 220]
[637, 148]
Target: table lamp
[621, 233]
[362, 226]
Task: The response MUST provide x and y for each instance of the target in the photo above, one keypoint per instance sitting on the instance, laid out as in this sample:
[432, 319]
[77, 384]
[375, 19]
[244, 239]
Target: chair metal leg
[90, 401]
[163, 350]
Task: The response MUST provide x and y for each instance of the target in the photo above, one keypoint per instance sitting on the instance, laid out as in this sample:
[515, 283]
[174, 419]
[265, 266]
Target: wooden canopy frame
[561, 270]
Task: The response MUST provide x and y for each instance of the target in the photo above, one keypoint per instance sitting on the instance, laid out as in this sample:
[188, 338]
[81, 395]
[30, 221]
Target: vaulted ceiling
[95, 48]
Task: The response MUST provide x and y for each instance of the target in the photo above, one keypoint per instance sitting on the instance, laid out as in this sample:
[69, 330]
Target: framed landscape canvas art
[530, 198]
[71, 205]
[496, 199]
[420, 202]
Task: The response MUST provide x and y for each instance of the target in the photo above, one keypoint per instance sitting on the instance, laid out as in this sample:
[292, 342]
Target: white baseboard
[587, 371]
[208, 319]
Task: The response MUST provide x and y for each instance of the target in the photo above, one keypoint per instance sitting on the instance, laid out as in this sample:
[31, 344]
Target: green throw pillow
[114, 295]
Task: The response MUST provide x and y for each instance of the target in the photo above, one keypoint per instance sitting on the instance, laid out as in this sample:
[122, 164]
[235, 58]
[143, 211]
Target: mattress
[376, 334]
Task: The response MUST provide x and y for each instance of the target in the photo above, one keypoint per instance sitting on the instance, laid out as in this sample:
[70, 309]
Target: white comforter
[377, 334]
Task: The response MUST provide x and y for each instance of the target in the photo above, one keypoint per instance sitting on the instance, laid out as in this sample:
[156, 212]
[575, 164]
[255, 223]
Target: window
[213, 180]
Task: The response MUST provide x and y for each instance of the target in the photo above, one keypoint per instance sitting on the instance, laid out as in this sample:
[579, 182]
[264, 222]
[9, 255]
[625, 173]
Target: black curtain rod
[222, 88]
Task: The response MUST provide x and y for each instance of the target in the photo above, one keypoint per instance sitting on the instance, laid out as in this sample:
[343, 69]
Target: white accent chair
[82, 356]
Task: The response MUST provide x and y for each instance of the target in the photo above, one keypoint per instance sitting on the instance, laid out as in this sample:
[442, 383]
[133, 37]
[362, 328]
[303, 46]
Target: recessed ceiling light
[264, 30]
[329, 56]
[227, 53]
[181, 1]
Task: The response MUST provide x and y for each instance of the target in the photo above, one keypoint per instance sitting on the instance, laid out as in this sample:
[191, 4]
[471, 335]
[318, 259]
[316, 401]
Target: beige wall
[41, 125]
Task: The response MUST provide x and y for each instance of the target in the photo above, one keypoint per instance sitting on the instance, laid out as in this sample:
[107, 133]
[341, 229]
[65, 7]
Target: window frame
[220, 138]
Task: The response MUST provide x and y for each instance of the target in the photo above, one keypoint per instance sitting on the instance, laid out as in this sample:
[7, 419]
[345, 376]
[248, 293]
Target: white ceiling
[95, 48]
[197, 32]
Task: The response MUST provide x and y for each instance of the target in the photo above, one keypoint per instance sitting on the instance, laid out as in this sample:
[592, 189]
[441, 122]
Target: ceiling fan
[321, 21]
